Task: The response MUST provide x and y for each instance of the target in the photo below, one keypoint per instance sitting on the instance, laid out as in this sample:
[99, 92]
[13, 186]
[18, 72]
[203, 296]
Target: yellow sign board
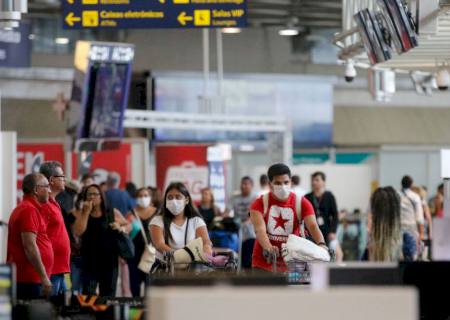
[202, 18]
[90, 18]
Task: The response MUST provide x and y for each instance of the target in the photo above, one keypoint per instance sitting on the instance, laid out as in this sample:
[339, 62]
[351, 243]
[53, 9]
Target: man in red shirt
[56, 230]
[29, 247]
[275, 216]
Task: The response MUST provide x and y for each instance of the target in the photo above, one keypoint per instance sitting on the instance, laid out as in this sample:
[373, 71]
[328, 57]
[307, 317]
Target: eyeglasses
[93, 194]
[45, 186]
[60, 176]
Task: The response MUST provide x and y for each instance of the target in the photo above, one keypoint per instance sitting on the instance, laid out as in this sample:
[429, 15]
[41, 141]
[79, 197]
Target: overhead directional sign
[79, 14]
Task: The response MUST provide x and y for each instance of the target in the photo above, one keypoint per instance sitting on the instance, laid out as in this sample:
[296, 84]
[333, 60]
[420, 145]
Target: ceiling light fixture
[61, 40]
[291, 29]
[231, 30]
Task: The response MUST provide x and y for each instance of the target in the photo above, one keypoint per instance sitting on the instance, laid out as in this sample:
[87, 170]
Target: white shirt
[411, 210]
[179, 232]
[299, 191]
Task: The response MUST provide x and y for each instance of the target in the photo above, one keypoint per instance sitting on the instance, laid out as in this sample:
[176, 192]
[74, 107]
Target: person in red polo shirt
[29, 247]
[56, 230]
[278, 214]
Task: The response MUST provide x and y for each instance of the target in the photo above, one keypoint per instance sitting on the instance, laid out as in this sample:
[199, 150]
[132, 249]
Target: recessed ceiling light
[231, 30]
[289, 32]
[61, 40]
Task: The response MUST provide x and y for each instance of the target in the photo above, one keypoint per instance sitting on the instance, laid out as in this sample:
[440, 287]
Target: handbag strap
[186, 232]
[141, 227]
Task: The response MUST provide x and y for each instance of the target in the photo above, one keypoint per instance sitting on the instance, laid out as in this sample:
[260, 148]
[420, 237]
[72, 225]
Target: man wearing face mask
[276, 215]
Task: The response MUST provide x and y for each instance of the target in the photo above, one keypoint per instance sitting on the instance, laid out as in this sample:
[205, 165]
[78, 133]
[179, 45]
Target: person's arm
[217, 212]
[257, 220]
[157, 235]
[420, 217]
[313, 228]
[34, 257]
[427, 213]
[120, 223]
[81, 218]
[333, 217]
[202, 232]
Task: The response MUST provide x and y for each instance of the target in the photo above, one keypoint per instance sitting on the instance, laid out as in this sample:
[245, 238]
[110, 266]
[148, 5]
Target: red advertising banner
[184, 163]
[30, 156]
[102, 162]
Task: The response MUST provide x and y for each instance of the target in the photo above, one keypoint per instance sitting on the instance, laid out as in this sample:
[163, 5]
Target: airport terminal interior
[224, 159]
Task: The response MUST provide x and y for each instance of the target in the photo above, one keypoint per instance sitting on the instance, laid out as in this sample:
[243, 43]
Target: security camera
[350, 71]
[443, 79]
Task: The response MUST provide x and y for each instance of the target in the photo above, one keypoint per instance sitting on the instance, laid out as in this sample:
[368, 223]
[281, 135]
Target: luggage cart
[296, 272]
[201, 267]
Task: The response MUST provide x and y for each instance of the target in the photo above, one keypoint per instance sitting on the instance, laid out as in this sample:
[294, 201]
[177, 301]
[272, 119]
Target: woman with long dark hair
[385, 233]
[97, 225]
[178, 222]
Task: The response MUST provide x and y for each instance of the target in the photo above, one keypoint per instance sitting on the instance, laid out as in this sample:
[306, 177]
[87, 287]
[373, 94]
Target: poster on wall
[102, 162]
[30, 156]
[184, 163]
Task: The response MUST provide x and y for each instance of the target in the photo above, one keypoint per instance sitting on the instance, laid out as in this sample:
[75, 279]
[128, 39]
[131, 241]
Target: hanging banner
[182, 163]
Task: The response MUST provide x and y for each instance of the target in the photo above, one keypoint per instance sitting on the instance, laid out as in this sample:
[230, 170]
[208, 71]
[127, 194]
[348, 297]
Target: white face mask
[175, 206]
[282, 192]
[143, 202]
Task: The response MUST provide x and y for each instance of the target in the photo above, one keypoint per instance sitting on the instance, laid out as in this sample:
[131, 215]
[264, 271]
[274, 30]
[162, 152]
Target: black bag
[125, 245]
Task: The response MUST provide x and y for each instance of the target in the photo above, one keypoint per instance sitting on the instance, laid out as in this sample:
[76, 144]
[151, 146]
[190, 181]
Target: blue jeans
[58, 284]
[27, 291]
[409, 246]
[75, 274]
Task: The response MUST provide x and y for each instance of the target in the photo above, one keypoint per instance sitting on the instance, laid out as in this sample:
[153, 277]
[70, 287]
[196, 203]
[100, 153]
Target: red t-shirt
[29, 216]
[59, 237]
[281, 221]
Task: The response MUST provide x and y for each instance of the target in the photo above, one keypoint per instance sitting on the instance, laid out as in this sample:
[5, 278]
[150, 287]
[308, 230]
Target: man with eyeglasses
[56, 229]
[29, 246]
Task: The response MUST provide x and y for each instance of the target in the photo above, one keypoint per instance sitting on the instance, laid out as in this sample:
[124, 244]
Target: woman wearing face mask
[178, 223]
[139, 219]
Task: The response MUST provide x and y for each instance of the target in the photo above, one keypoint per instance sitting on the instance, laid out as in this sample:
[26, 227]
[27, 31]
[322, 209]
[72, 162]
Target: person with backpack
[278, 214]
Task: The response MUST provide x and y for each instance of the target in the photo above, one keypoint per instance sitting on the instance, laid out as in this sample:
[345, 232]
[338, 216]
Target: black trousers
[247, 253]
[28, 291]
[137, 277]
[106, 279]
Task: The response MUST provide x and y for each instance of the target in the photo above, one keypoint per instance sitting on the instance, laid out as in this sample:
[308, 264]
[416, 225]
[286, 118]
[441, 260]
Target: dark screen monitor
[106, 101]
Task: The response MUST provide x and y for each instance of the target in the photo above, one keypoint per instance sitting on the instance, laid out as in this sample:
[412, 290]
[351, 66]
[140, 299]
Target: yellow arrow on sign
[162, 1]
[71, 19]
[182, 18]
[70, 1]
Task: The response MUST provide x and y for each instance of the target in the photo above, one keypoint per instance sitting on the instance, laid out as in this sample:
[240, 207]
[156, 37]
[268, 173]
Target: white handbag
[148, 257]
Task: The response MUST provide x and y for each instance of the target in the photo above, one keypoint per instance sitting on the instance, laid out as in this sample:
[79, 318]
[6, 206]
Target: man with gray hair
[117, 198]
[56, 229]
[29, 247]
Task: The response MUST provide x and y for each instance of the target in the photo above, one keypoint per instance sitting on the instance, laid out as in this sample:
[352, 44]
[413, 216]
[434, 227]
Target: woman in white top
[178, 223]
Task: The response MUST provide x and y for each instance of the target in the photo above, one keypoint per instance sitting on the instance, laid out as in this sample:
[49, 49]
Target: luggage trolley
[201, 267]
[296, 271]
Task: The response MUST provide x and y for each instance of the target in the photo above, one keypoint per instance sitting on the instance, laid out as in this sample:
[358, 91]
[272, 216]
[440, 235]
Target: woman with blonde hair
[385, 233]
[207, 207]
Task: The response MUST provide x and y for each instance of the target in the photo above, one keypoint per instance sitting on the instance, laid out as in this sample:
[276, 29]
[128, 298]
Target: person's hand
[46, 287]
[324, 246]
[86, 207]
[271, 252]
[117, 226]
